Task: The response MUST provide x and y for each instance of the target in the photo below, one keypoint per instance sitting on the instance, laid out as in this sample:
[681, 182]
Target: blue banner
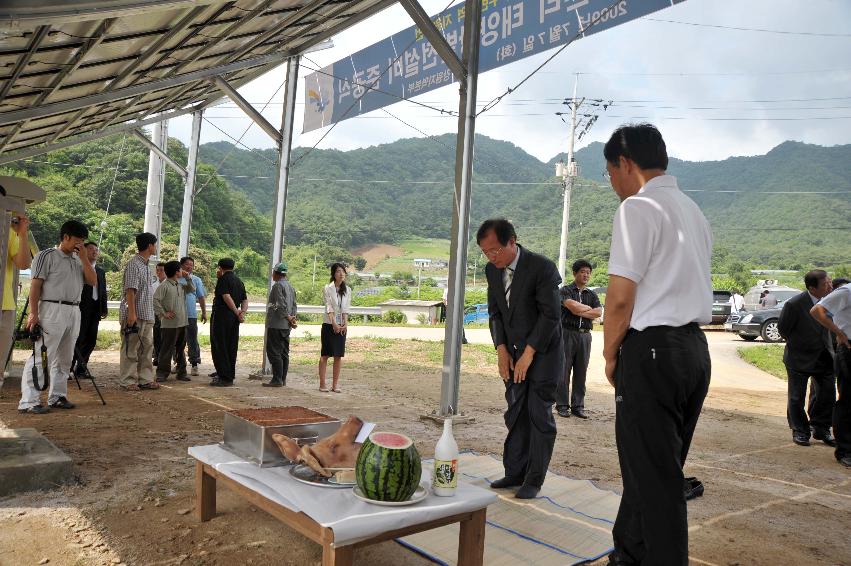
[405, 64]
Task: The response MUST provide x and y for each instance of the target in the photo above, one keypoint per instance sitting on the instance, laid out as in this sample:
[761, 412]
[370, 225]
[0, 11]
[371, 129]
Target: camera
[128, 330]
[24, 334]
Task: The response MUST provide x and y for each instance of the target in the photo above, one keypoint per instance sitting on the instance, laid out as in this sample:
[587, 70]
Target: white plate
[420, 494]
[306, 475]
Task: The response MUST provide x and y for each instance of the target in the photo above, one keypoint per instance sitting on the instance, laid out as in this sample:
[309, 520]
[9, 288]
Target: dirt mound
[376, 253]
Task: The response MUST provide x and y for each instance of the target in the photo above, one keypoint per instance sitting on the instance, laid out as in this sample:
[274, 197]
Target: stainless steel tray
[253, 440]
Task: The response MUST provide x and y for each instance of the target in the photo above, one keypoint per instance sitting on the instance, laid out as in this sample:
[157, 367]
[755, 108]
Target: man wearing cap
[58, 275]
[280, 318]
[230, 304]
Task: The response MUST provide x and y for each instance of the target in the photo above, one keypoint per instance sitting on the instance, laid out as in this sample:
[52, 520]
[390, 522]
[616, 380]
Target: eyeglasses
[493, 253]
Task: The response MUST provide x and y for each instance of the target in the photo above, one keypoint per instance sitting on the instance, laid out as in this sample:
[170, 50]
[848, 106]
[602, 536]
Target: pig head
[336, 451]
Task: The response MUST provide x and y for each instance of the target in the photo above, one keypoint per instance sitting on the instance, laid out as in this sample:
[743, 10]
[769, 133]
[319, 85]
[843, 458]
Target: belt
[69, 303]
[581, 330]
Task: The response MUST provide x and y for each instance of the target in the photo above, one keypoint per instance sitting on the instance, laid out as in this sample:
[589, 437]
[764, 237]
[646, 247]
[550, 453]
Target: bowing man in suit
[808, 353]
[525, 325]
[93, 309]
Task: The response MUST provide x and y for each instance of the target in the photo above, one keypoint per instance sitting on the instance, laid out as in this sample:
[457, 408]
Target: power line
[761, 30]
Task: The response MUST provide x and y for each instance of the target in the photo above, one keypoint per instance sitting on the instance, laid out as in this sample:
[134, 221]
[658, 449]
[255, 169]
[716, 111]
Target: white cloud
[702, 111]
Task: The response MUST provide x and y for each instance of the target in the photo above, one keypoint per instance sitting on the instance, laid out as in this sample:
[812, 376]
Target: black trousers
[531, 435]
[842, 408]
[819, 406]
[278, 352]
[224, 342]
[88, 337]
[577, 354]
[661, 381]
[157, 338]
[172, 346]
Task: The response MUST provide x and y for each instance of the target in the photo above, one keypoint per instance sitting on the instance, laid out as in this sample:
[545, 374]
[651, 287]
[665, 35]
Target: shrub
[394, 317]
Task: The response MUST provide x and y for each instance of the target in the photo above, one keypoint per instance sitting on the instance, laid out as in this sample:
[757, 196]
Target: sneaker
[194, 370]
[62, 403]
[35, 410]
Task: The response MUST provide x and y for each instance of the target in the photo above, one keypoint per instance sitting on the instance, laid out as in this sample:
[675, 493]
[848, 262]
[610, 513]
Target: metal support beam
[156, 184]
[103, 97]
[246, 107]
[282, 177]
[160, 153]
[189, 187]
[461, 211]
[436, 38]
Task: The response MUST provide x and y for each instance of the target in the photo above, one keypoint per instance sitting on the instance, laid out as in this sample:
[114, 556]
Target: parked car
[720, 306]
[780, 292]
[476, 314]
[750, 325]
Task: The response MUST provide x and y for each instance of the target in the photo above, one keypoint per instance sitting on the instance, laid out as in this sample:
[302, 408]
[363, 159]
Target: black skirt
[333, 344]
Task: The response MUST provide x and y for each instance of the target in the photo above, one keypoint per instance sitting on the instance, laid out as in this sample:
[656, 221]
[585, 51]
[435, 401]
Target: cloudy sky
[714, 91]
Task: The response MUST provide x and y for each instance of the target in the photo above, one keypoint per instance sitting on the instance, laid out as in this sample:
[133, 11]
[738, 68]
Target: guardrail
[302, 309]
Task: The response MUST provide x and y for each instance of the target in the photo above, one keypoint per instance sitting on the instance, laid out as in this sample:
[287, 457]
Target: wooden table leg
[205, 493]
[471, 541]
[337, 556]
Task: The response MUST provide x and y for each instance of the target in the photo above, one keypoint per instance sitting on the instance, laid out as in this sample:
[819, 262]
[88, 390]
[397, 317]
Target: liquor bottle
[445, 478]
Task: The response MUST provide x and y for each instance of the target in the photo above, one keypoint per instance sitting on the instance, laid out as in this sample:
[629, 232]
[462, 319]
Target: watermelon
[388, 467]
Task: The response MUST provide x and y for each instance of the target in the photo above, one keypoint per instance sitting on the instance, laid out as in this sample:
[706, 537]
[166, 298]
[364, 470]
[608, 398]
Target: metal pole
[163, 144]
[567, 184]
[189, 187]
[152, 195]
[461, 210]
[282, 178]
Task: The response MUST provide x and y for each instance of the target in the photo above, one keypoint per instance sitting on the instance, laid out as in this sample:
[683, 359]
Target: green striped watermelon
[388, 467]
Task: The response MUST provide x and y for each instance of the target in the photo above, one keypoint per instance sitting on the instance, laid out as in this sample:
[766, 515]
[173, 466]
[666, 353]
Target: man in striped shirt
[137, 319]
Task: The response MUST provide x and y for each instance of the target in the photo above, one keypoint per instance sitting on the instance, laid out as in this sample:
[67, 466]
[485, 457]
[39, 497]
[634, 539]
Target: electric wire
[112, 188]
[737, 28]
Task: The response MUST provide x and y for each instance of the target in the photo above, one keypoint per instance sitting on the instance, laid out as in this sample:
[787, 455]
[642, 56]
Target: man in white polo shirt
[657, 358]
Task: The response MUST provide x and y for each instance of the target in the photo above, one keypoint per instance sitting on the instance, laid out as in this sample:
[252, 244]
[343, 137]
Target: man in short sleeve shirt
[57, 282]
[834, 313]
[18, 257]
[198, 296]
[137, 319]
[657, 358]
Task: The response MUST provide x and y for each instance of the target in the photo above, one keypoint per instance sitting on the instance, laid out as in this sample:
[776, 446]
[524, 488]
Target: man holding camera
[58, 275]
[137, 319]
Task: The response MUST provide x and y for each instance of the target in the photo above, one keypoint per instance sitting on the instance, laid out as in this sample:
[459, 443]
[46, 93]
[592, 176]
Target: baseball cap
[281, 267]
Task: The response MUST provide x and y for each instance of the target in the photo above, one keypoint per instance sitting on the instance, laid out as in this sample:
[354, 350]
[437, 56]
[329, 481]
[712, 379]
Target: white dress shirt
[334, 304]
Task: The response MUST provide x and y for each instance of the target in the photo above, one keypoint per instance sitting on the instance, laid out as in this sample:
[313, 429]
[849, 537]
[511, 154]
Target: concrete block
[28, 461]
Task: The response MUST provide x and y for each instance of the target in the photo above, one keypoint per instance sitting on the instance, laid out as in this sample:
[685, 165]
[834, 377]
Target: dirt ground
[767, 501]
[376, 254]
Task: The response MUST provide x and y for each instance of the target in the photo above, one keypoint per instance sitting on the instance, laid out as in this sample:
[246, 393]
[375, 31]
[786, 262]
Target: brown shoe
[131, 387]
[150, 385]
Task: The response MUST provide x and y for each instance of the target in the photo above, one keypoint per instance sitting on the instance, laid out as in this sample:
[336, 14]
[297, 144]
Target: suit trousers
[842, 408]
[60, 325]
[820, 404]
[89, 324]
[531, 427]
[661, 380]
[157, 339]
[192, 347]
[135, 355]
[278, 352]
[172, 346]
[577, 355]
[224, 343]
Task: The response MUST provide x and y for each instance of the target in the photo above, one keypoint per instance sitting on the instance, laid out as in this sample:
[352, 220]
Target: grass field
[768, 358]
[416, 248]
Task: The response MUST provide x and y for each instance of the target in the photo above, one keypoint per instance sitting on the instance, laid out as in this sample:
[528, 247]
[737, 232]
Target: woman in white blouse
[337, 297]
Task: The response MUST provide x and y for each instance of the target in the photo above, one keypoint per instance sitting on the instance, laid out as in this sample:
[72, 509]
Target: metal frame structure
[81, 71]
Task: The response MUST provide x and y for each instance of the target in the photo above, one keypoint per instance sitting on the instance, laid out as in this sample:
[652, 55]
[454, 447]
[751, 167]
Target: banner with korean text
[405, 64]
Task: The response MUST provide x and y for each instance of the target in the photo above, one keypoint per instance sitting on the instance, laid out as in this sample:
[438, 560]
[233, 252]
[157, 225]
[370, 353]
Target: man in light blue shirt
[188, 264]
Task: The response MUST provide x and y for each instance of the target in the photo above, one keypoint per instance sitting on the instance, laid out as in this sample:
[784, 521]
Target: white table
[335, 518]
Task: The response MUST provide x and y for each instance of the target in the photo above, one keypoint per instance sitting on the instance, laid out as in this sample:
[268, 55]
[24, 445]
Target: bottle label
[445, 474]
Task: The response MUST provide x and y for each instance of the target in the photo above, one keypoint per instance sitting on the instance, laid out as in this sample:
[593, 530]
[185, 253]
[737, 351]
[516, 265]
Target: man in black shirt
[229, 307]
[579, 307]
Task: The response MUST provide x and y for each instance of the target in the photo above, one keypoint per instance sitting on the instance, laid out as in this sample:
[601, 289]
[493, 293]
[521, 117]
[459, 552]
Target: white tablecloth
[353, 520]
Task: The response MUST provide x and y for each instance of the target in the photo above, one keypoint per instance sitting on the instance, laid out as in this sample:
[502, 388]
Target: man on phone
[58, 275]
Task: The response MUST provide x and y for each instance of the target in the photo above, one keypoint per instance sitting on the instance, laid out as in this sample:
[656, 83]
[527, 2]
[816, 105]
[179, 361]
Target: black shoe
[62, 403]
[801, 438]
[274, 383]
[221, 383]
[183, 378]
[693, 488]
[846, 461]
[563, 412]
[580, 413]
[618, 559]
[506, 482]
[161, 379]
[155, 362]
[825, 436]
[527, 492]
[214, 374]
[35, 410]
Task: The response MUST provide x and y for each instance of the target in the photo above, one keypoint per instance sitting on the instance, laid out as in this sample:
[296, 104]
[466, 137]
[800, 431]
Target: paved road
[728, 370]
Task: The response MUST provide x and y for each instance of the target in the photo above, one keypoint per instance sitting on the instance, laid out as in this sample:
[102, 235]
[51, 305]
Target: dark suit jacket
[534, 317]
[86, 296]
[808, 345]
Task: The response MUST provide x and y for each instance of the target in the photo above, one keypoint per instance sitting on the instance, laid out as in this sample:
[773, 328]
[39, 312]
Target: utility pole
[568, 173]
